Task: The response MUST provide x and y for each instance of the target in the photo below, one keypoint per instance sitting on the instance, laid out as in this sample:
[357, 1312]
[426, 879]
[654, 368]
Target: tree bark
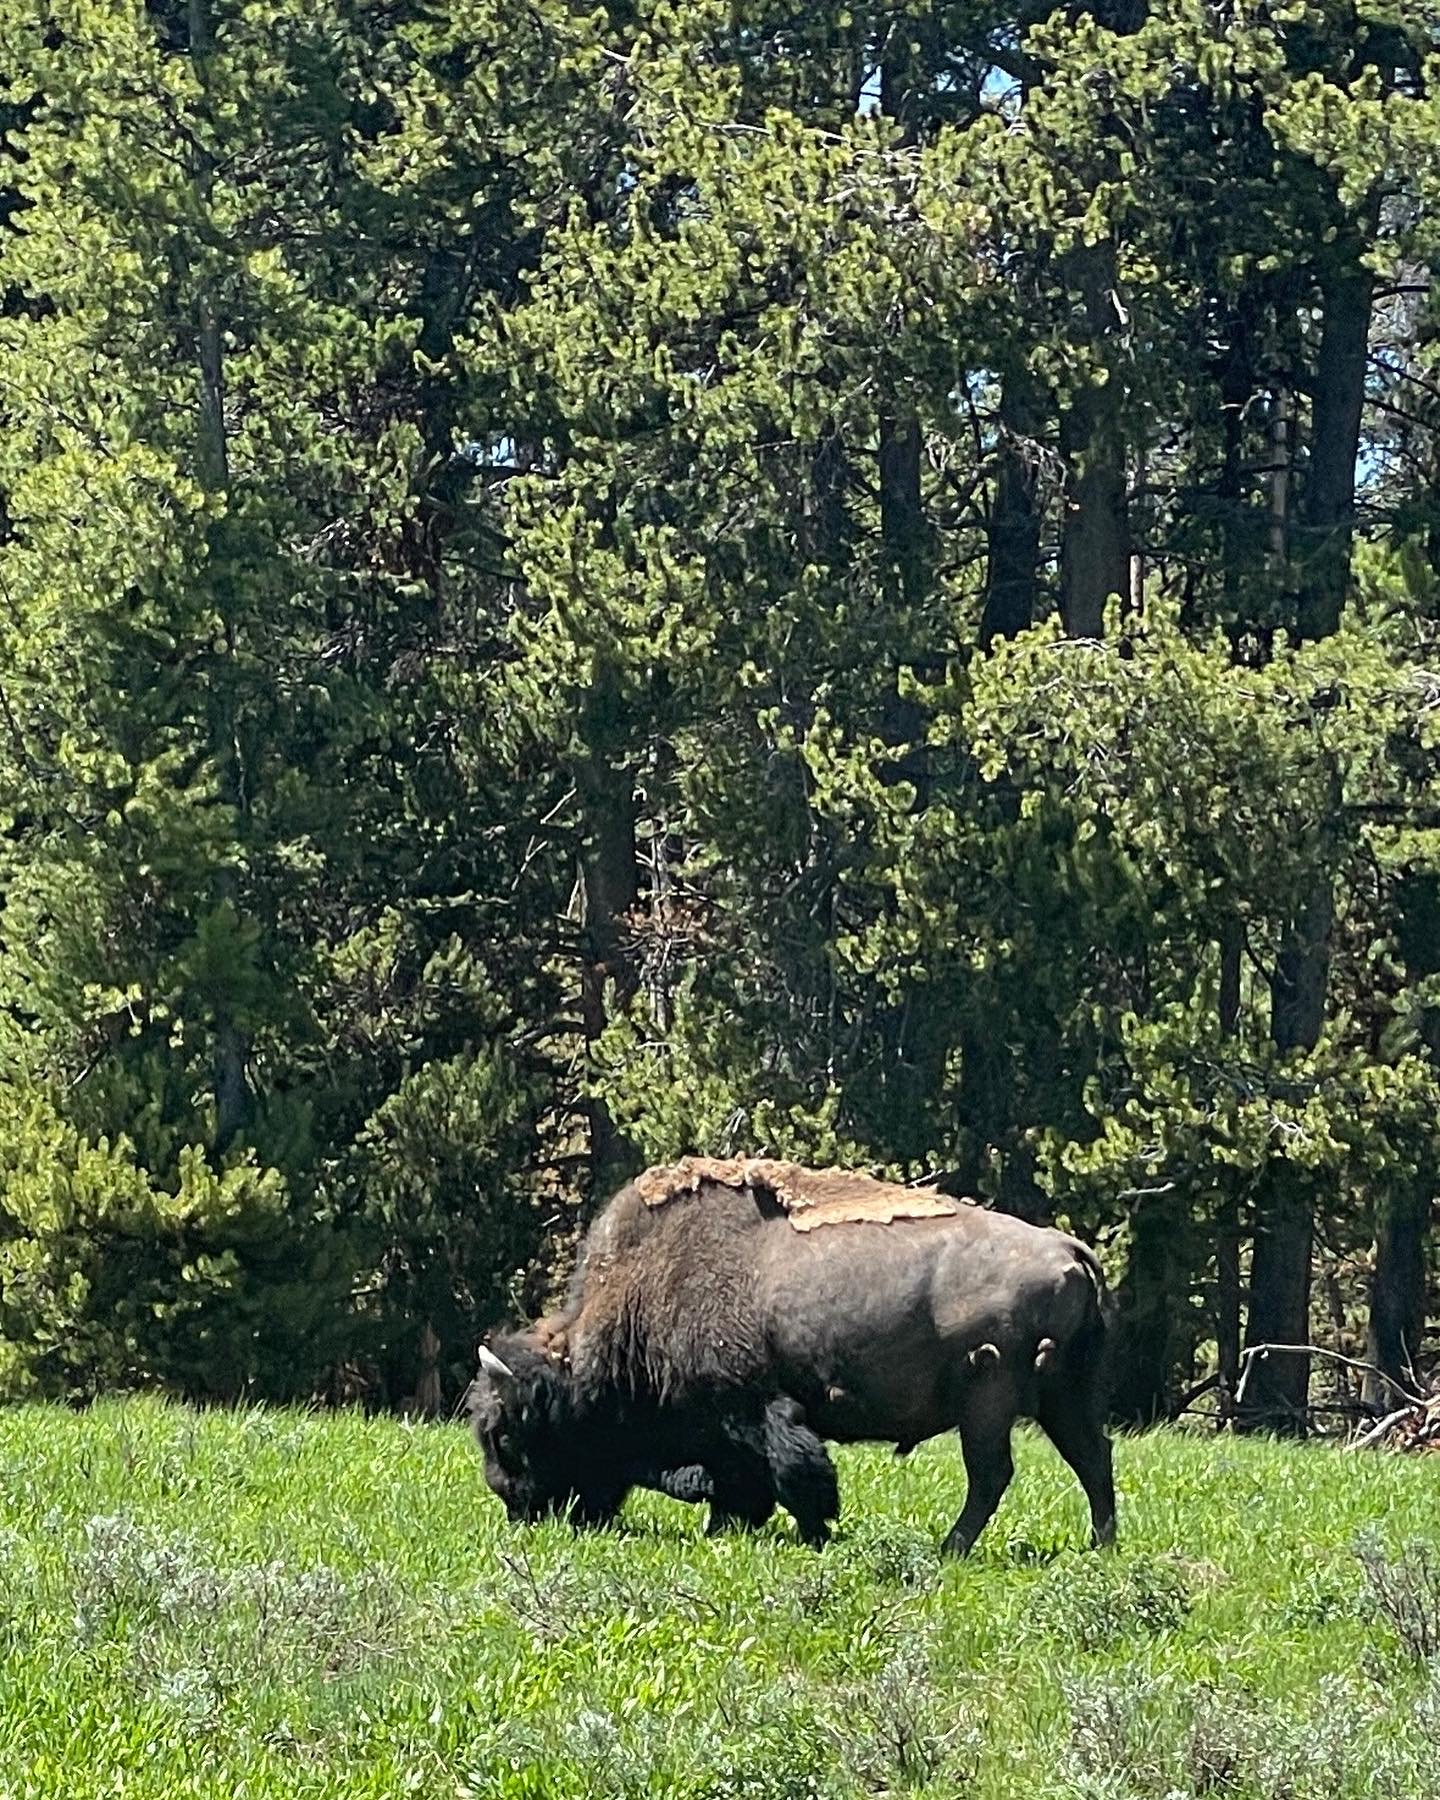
[1237, 390]
[1227, 1225]
[1278, 1390]
[1095, 540]
[830, 531]
[1148, 1304]
[903, 528]
[231, 1048]
[1284, 1229]
[1326, 523]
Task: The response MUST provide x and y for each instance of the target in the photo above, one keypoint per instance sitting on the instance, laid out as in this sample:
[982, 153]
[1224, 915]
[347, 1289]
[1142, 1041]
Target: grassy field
[269, 1604]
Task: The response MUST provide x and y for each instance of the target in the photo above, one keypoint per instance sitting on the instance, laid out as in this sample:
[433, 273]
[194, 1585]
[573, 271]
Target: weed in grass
[126, 1571]
[160, 1593]
[192, 1695]
[1320, 1597]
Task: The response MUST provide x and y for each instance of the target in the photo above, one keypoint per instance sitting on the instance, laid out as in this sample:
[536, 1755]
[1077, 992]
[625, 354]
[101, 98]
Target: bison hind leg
[1070, 1419]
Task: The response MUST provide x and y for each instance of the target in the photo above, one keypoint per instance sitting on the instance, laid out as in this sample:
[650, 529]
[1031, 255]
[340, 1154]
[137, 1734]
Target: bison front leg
[742, 1489]
[738, 1492]
[804, 1475]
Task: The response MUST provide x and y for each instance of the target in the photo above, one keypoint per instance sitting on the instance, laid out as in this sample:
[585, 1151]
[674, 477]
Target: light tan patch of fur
[810, 1196]
[877, 1209]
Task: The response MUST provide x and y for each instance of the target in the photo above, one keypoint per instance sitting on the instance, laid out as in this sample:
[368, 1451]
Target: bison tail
[1090, 1262]
[1086, 1355]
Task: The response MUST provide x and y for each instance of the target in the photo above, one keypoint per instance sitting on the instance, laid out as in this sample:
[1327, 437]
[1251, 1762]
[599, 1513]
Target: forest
[581, 583]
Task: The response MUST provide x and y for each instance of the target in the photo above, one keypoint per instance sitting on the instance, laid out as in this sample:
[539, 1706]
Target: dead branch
[1376, 1432]
[1259, 1352]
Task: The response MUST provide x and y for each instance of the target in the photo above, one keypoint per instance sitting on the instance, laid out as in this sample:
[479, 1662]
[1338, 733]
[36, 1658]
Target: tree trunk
[830, 530]
[1237, 391]
[1320, 544]
[1284, 1229]
[1279, 1386]
[1095, 540]
[1326, 523]
[1014, 538]
[1149, 1305]
[231, 1049]
[1227, 1303]
[1227, 1227]
[610, 891]
[1280, 457]
[903, 528]
[1397, 1293]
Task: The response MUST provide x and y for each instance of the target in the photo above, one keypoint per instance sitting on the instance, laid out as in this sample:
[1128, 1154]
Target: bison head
[541, 1456]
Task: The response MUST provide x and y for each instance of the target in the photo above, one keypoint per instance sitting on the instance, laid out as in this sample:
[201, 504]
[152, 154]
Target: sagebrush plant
[281, 1605]
[1095, 1601]
[1404, 1591]
[1140, 1733]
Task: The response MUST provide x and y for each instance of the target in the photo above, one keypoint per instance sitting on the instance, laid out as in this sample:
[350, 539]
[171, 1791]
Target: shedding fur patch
[877, 1209]
[811, 1197]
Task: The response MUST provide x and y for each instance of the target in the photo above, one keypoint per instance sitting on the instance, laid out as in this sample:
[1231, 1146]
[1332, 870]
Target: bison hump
[809, 1197]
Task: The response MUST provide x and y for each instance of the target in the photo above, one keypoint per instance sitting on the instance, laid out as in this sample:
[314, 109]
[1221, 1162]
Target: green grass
[256, 1604]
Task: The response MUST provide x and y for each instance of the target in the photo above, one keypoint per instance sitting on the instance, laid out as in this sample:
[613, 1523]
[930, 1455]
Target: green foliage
[107, 1279]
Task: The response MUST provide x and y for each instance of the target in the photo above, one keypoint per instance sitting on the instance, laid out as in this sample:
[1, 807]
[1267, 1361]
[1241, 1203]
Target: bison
[702, 1305]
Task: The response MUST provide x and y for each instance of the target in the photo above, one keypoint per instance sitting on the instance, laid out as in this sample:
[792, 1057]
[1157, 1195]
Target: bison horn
[492, 1364]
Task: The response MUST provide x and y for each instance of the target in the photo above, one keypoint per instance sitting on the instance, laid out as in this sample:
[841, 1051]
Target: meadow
[253, 1603]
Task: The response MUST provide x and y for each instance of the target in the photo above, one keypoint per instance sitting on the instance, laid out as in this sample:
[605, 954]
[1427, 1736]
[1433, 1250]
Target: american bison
[709, 1294]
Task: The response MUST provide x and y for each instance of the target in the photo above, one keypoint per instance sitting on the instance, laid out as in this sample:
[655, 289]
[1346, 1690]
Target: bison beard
[694, 1327]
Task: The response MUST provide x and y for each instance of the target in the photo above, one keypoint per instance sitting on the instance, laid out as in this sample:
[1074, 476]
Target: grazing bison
[708, 1294]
